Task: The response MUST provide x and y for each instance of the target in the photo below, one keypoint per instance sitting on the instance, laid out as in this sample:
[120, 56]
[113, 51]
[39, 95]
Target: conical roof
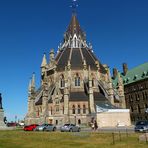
[76, 56]
[74, 27]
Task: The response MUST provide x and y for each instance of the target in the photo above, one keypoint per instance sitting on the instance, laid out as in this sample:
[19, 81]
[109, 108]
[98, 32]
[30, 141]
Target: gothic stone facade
[72, 83]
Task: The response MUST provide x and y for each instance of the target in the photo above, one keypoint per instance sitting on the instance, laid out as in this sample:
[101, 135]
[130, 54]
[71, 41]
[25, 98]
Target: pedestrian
[92, 126]
[95, 125]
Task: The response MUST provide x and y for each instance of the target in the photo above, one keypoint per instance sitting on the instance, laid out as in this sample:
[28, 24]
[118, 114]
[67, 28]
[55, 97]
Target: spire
[74, 27]
[33, 81]
[44, 61]
[29, 87]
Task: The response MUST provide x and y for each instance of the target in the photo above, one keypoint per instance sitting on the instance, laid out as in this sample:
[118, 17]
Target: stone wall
[113, 119]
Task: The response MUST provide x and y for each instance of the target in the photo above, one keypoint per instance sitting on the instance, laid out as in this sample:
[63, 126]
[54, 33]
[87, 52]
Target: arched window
[79, 109]
[62, 81]
[84, 109]
[56, 122]
[57, 109]
[73, 109]
[77, 80]
[79, 121]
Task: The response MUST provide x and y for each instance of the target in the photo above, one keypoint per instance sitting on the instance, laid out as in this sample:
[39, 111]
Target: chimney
[125, 69]
[115, 72]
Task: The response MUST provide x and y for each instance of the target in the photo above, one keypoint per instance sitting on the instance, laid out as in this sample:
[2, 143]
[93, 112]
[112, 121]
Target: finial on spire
[74, 6]
[44, 61]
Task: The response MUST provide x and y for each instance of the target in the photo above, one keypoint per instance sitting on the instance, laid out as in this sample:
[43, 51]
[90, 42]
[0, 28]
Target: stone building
[73, 82]
[136, 90]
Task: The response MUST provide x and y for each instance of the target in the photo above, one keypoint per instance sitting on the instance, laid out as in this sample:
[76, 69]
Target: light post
[75, 120]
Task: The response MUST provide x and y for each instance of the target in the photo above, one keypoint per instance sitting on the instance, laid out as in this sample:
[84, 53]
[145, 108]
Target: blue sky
[117, 29]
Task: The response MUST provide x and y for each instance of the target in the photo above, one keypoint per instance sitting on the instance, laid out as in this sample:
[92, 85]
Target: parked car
[46, 127]
[141, 126]
[30, 127]
[70, 128]
[12, 124]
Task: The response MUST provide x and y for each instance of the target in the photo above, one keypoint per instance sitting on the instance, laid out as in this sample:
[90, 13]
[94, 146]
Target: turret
[44, 61]
[33, 83]
[44, 102]
[29, 87]
[68, 65]
[91, 95]
[84, 64]
[51, 54]
[66, 97]
[121, 91]
[31, 97]
[43, 67]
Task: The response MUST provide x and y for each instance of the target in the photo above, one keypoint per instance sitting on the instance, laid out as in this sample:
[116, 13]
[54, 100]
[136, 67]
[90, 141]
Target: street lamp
[75, 120]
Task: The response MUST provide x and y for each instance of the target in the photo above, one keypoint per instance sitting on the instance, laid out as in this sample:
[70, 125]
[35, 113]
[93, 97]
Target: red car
[30, 127]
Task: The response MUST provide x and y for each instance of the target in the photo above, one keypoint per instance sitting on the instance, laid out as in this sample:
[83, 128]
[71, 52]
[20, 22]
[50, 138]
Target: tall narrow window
[79, 109]
[143, 95]
[73, 109]
[77, 80]
[57, 109]
[132, 109]
[62, 81]
[75, 42]
[139, 110]
[84, 109]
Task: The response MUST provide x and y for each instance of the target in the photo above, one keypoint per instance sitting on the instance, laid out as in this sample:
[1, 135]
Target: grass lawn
[21, 139]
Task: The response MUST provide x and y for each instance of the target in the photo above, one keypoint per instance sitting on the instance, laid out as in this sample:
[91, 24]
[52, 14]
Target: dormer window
[77, 80]
[75, 42]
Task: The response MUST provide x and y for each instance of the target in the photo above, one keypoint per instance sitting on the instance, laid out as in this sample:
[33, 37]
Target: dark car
[30, 127]
[70, 128]
[141, 126]
[11, 124]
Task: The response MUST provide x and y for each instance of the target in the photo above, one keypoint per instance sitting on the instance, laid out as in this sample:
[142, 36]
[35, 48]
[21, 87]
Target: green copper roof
[138, 73]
